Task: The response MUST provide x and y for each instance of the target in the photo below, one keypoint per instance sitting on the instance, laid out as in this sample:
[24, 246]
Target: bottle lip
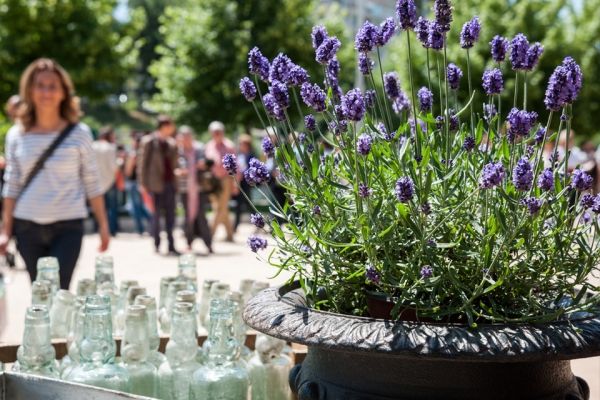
[145, 300]
[97, 304]
[183, 308]
[65, 296]
[136, 311]
[47, 263]
[37, 313]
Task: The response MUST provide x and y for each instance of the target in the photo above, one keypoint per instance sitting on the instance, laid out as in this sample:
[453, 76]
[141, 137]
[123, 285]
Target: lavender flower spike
[523, 175]
[363, 144]
[258, 64]
[422, 31]
[319, 34]
[256, 243]
[391, 85]
[257, 220]
[405, 189]
[492, 175]
[426, 272]
[327, 50]
[353, 105]
[492, 81]
[533, 205]
[581, 180]
[365, 64]
[499, 47]
[280, 68]
[470, 33]
[564, 85]
[425, 99]
[407, 14]
[372, 275]
[519, 47]
[442, 10]
[386, 30]
[310, 122]
[454, 74]
[267, 146]
[520, 123]
[533, 55]
[257, 173]
[230, 164]
[366, 37]
[248, 89]
[437, 37]
[546, 180]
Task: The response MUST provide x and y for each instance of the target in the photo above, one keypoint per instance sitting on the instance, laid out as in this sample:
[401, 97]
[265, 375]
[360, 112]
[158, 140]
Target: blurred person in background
[136, 206]
[46, 212]
[245, 153]
[192, 164]
[11, 108]
[215, 149]
[106, 160]
[577, 157]
[156, 164]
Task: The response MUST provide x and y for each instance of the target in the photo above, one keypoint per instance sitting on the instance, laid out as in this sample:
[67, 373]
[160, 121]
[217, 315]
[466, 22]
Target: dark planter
[355, 358]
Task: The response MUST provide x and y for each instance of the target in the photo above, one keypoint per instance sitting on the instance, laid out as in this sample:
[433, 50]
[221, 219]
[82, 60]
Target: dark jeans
[111, 199]
[164, 200]
[138, 211]
[60, 239]
[199, 226]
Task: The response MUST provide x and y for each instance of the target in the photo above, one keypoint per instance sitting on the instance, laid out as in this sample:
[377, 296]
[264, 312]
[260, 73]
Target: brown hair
[69, 108]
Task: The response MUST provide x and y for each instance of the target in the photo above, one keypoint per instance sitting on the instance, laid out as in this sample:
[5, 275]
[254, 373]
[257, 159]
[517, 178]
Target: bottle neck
[37, 349]
[153, 338]
[97, 345]
[222, 345]
[135, 340]
[183, 343]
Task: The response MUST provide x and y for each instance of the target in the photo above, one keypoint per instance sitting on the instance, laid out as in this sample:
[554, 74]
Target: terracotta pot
[355, 358]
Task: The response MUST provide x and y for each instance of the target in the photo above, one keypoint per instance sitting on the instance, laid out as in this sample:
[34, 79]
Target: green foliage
[205, 48]
[81, 35]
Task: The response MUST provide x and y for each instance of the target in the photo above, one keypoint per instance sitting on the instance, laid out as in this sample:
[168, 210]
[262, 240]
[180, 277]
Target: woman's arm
[97, 204]
[7, 226]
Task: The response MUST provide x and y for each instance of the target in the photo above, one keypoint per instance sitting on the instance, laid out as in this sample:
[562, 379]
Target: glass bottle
[205, 301]
[239, 326]
[133, 292]
[165, 314]
[175, 374]
[121, 306]
[97, 352]
[246, 290]
[269, 369]
[41, 294]
[47, 269]
[60, 313]
[86, 287]
[108, 289]
[186, 296]
[154, 356]
[218, 290]
[187, 270]
[143, 378]
[104, 270]
[74, 336]
[36, 355]
[222, 377]
[258, 286]
[162, 300]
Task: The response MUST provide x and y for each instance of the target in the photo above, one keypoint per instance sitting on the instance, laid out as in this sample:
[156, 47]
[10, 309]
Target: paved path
[135, 259]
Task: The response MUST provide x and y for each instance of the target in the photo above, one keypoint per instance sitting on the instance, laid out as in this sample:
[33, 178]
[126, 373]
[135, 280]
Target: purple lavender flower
[386, 30]
[581, 180]
[425, 99]
[391, 85]
[539, 135]
[365, 64]
[280, 68]
[442, 10]
[596, 205]
[405, 189]
[313, 96]
[327, 50]
[319, 34]
[372, 275]
[533, 55]
[439, 122]
[338, 127]
[267, 146]
[470, 33]
[364, 191]
[489, 111]
[257, 220]
[366, 37]
[256, 243]
[522, 175]
[316, 210]
[546, 180]
[230, 164]
[422, 125]
[587, 218]
[426, 208]
[454, 75]
[422, 31]
[370, 98]
[533, 204]
[407, 14]
[248, 89]
[426, 272]
[401, 103]
[310, 148]
[499, 47]
[297, 76]
[587, 201]
[519, 47]
[280, 93]
[258, 64]
[339, 112]
[492, 81]
[310, 122]
[272, 108]
[564, 85]
[436, 38]
[529, 150]
[257, 173]
[333, 69]
[387, 136]
[520, 123]
[492, 175]
[353, 105]
[363, 144]
[469, 143]
[302, 137]
[454, 122]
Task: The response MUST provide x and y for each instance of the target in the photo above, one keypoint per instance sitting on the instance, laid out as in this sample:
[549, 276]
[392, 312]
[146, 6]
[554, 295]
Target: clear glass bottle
[104, 270]
[60, 313]
[143, 375]
[165, 314]
[239, 326]
[246, 290]
[86, 287]
[122, 305]
[154, 356]
[36, 355]
[41, 294]
[48, 269]
[258, 286]
[269, 370]
[218, 290]
[175, 374]
[162, 301]
[187, 270]
[223, 377]
[97, 352]
[74, 336]
[133, 292]
[205, 301]
[108, 289]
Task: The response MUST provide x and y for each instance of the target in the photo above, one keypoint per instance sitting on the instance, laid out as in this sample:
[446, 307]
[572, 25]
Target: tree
[205, 48]
[82, 35]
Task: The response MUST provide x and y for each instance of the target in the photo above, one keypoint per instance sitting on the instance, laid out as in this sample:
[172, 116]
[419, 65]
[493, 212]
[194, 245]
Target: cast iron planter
[355, 358]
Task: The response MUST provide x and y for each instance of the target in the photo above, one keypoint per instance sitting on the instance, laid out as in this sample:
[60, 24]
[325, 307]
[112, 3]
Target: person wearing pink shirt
[215, 149]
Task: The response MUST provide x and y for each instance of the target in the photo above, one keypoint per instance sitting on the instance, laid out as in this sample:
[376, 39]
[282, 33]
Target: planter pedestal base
[330, 374]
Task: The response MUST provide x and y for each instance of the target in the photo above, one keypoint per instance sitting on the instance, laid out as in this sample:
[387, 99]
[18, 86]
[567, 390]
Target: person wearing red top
[215, 149]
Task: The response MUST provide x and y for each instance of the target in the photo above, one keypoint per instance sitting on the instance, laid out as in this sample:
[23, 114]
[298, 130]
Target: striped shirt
[60, 189]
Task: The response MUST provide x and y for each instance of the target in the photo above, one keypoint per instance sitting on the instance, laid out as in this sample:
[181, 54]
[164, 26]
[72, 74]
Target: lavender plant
[450, 213]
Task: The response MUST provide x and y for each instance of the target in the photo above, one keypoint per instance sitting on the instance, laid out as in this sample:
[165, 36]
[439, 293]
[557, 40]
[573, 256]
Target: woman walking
[50, 173]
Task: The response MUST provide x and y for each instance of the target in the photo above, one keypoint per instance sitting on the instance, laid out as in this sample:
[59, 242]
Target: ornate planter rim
[282, 312]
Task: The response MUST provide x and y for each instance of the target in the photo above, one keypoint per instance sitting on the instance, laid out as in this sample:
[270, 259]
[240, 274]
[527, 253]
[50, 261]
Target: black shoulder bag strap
[39, 164]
